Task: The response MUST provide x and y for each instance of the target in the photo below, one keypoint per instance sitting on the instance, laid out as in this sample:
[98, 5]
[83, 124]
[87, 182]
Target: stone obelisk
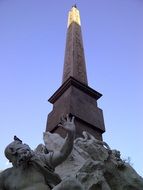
[74, 96]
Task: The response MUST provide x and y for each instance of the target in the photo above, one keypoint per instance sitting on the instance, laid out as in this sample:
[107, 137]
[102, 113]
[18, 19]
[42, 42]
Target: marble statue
[88, 137]
[34, 170]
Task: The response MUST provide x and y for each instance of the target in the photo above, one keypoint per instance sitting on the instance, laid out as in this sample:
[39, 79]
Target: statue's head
[16, 151]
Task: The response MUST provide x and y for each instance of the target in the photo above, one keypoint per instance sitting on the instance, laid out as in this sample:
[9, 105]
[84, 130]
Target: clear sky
[32, 45]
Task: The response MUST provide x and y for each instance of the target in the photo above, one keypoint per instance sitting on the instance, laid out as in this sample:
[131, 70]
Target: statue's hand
[68, 123]
[59, 156]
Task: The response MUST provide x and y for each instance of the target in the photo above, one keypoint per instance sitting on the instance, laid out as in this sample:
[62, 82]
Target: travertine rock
[95, 165]
[69, 183]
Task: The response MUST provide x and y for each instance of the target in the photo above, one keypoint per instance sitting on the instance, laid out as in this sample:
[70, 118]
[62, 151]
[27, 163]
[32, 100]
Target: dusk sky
[32, 46]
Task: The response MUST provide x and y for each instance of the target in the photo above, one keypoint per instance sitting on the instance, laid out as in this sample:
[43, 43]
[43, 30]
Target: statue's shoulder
[5, 173]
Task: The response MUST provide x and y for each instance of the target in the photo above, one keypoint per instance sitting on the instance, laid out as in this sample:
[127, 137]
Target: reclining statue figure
[33, 170]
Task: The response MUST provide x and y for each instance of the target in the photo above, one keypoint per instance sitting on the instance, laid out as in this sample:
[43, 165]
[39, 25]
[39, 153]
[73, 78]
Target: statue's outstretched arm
[58, 157]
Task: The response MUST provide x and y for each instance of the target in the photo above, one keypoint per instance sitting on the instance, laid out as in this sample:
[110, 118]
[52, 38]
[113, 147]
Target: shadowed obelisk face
[74, 63]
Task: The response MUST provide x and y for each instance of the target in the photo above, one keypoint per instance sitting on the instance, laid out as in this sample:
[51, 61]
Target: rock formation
[95, 165]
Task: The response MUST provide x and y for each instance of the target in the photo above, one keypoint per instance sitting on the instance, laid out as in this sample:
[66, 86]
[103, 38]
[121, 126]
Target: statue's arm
[58, 157]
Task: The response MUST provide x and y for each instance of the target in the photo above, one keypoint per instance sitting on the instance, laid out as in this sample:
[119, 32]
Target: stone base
[80, 101]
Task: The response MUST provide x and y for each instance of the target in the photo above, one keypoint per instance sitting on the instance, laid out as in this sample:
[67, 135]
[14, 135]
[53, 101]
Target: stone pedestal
[77, 99]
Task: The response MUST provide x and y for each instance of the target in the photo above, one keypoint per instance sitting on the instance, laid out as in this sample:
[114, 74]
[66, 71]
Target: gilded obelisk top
[74, 62]
[74, 16]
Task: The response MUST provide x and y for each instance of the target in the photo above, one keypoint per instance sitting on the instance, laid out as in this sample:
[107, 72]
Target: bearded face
[18, 153]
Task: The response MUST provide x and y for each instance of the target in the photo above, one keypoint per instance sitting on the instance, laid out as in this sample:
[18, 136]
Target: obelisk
[74, 96]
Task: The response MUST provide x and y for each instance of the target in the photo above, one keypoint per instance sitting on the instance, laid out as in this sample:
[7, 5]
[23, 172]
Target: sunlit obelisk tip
[74, 16]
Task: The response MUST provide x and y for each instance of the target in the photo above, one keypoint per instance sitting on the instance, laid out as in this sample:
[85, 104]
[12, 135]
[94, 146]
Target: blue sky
[32, 45]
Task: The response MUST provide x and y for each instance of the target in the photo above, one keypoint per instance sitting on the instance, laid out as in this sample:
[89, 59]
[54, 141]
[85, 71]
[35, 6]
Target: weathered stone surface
[96, 166]
[73, 163]
[69, 183]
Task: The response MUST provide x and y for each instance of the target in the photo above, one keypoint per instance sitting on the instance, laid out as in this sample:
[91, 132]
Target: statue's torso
[28, 179]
